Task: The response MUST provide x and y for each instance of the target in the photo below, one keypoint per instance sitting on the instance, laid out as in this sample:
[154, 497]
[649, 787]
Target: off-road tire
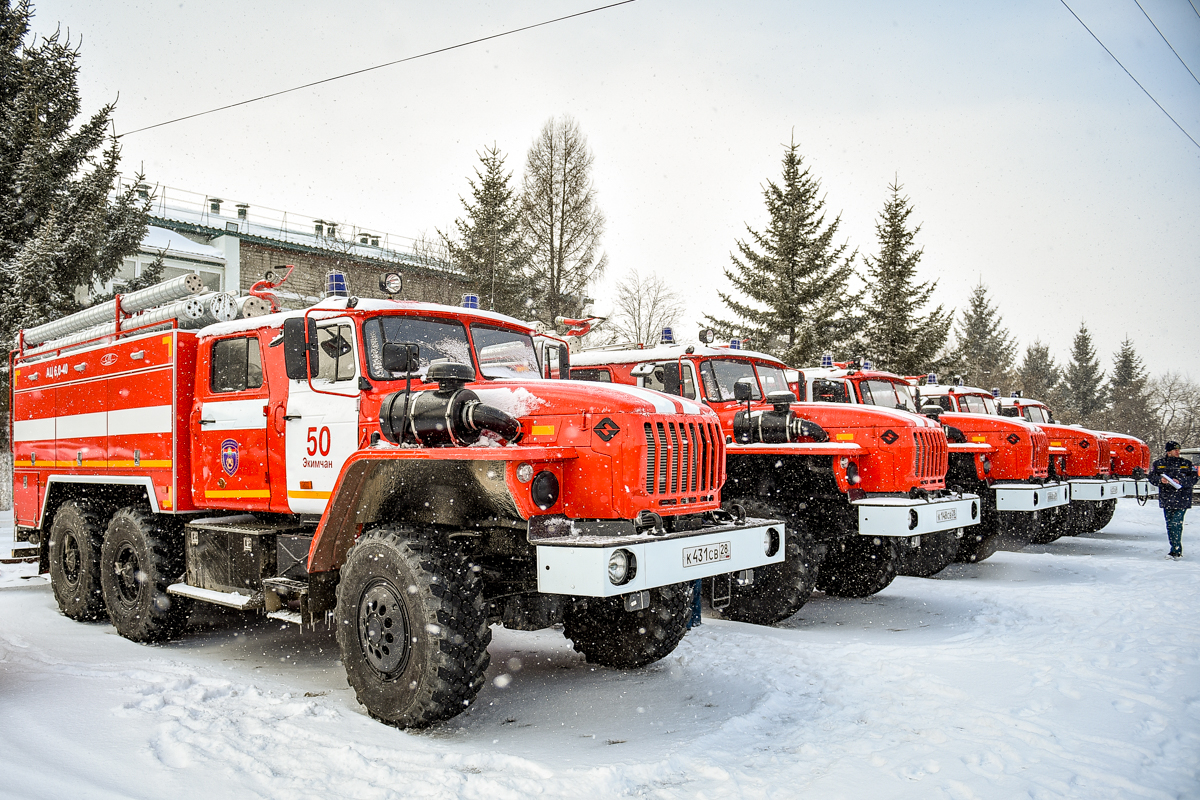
[143, 555]
[1054, 522]
[979, 543]
[76, 536]
[1103, 515]
[412, 626]
[859, 566]
[1081, 518]
[936, 552]
[779, 590]
[608, 635]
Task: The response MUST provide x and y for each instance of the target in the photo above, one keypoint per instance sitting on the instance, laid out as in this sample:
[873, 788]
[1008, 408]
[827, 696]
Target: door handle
[208, 422]
[290, 417]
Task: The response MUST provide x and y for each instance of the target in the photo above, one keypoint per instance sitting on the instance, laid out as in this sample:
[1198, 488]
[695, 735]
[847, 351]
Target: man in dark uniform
[1174, 476]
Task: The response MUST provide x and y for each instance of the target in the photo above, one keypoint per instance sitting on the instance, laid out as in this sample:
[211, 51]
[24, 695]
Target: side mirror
[564, 362]
[932, 410]
[299, 360]
[404, 358]
[642, 370]
[743, 390]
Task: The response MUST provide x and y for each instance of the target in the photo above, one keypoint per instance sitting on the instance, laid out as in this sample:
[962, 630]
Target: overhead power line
[1130, 74]
[1164, 38]
[378, 66]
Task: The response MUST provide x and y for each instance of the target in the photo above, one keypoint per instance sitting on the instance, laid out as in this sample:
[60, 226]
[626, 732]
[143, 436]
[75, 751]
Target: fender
[370, 478]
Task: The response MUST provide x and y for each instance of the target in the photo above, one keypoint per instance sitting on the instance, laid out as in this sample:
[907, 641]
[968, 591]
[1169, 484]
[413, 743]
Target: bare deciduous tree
[561, 221]
[645, 304]
[1175, 403]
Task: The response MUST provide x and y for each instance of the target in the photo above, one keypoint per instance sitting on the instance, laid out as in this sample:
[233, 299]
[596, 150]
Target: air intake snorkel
[448, 416]
[777, 425]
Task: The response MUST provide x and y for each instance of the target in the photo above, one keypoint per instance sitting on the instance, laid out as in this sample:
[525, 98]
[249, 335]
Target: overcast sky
[1033, 162]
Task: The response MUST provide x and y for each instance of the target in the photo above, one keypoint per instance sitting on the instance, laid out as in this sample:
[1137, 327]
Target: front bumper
[1097, 489]
[1031, 496]
[1140, 489]
[577, 564]
[903, 516]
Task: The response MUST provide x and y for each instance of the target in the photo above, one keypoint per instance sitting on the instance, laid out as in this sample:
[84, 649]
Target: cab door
[230, 412]
[322, 419]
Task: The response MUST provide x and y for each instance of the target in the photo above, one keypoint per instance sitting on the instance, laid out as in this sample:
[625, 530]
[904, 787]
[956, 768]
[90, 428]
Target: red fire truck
[855, 485]
[1099, 468]
[399, 470]
[1005, 461]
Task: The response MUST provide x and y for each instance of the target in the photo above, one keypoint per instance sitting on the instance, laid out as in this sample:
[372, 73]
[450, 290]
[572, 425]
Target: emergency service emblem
[229, 456]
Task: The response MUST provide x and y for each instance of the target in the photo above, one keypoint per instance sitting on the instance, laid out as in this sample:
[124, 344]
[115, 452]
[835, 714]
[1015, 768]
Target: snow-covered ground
[1069, 670]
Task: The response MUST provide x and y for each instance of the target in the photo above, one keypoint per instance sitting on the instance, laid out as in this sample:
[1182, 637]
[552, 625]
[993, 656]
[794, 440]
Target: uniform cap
[1171, 446]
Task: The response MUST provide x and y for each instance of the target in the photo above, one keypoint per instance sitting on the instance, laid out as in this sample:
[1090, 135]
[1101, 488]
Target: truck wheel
[1081, 518]
[608, 635]
[779, 590]
[936, 552]
[979, 543]
[75, 539]
[1103, 515]
[1053, 525]
[859, 566]
[143, 555]
[412, 627]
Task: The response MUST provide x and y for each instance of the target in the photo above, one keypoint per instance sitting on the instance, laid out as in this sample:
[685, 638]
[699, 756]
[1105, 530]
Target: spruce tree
[489, 247]
[1129, 395]
[899, 338]
[1083, 382]
[1037, 376]
[790, 281]
[984, 350]
[64, 225]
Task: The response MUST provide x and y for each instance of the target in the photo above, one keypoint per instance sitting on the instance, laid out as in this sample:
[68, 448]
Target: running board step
[228, 599]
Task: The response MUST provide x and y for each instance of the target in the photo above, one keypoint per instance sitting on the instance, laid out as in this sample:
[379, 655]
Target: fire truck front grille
[682, 458]
[930, 458]
[1041, 452]
[1103, 456]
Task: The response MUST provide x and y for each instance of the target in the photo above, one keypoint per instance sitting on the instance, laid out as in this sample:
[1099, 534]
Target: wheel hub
[129, 576]
[71, 558]
[383, 630]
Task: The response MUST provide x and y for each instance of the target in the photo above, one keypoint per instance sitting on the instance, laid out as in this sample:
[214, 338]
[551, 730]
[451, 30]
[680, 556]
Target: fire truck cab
[856, 485]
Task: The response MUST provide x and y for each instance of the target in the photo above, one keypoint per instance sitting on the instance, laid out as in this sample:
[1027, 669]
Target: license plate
[706, 554]
[947, 514]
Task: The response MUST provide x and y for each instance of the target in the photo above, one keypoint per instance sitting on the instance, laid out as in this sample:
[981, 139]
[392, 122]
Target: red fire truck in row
[397, 469]
[857, 486]
[1005, 461]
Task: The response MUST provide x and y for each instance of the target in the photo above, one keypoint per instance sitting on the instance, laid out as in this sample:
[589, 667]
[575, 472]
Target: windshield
[504, 353]
[720, 376]
[438, 340]
[827, 391]
[773, 379]
[972, 404]
[1037, 414]
[886, 394]
[990, 404]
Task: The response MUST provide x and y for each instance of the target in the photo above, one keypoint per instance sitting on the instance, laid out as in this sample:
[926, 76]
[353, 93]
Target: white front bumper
[901, 516]
[578, 565]
[1030, 496]
[1096, 489]
[1140, 489]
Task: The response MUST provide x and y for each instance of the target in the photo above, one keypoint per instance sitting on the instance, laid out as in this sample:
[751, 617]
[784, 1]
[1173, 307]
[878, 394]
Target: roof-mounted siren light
[668, 336]
[866, 363]
[995, 391]
[735, 344]
[336, 284]
[390, 283]
[1016, 393]
[931, 379]
[706, 336]
[827, 361]
[470, 301]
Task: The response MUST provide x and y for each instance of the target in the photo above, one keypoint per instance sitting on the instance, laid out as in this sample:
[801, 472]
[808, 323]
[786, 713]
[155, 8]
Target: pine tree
[793, 278]
[984, 350]
[561, 221]
[63, 226]
[897, 337]
[1037, 376]
[489, 247]
[1083, 383]
[1129, 395]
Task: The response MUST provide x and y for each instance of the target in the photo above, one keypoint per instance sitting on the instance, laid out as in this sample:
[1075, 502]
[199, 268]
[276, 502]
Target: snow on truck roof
[335, 305]
[596, 358]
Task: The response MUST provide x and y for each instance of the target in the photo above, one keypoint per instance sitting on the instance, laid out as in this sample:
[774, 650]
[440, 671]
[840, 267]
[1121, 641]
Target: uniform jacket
[1183, 472]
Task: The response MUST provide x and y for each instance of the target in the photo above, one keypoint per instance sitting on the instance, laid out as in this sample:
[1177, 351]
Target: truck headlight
[622, 566]
[771, 542]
